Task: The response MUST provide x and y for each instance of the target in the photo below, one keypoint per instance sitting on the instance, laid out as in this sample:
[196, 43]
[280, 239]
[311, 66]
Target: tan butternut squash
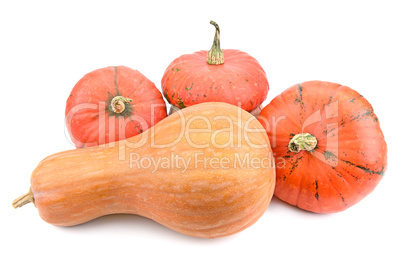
[205, 171]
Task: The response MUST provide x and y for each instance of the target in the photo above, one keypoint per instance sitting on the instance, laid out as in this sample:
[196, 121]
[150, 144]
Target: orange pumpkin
[227, 75]
[111, 104]
[329, 149]
[205, 171]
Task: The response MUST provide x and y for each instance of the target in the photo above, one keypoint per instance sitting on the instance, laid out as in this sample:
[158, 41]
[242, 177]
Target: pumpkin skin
[240, 80]
[76, 186]
[350, 156]
[90, 119]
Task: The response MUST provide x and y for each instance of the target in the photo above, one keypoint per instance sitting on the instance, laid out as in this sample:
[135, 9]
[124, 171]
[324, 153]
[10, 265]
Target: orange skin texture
[89, 119]
[209, 201]
[240, 80]
[351, 154]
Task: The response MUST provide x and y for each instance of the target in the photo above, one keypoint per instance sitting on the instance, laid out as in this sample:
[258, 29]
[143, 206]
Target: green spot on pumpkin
[180, 103]
[177, 70]
[166, 96]
[365, 113]
[381, 172]
[329, 155]
[299, 98]
[316, 191]
[188, 88]
[327, 131]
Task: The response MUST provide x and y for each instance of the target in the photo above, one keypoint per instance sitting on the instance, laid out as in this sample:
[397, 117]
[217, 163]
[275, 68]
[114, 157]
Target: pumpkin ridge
[353, 183]
[321, 126]
[341, 176]
[323, 117]
[280, 111]
[336, 169]
[381, 172]
[353, 93]
[368, 170]
[303, 178]
[331, 96]
[300, 99]
[294, 166]
[360, 116]
[341, 179]
[135, 89]
[84, 139]
[341, 135]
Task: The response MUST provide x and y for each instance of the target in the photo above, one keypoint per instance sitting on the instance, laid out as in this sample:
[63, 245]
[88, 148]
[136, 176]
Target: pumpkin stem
[23, 199]
[215, 54]
[303, 141]
[118, 104]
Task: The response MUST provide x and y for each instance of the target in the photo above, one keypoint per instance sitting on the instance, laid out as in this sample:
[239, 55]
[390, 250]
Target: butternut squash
[205, 171]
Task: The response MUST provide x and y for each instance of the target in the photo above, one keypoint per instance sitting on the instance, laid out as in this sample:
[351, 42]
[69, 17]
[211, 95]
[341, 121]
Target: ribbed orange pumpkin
[206, 171]
[111, 104]
[227, 75]
[329, 148]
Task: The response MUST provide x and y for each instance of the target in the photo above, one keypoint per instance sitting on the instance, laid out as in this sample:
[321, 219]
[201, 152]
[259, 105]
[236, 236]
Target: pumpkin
[206, 171]
[329, 149]
[111, 104]
[227, 75]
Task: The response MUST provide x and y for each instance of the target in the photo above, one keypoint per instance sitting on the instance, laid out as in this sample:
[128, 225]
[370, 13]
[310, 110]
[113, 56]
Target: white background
[46, 47]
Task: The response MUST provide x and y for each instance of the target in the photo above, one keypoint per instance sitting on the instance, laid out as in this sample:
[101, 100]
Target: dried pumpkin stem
[302, 141]
[23, 199]
[215, 54]
[118, 104]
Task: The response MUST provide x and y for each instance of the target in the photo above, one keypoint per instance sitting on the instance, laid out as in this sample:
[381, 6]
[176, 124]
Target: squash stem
[215, 54]
[23, 199]
[118, 104]
[303, 141]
